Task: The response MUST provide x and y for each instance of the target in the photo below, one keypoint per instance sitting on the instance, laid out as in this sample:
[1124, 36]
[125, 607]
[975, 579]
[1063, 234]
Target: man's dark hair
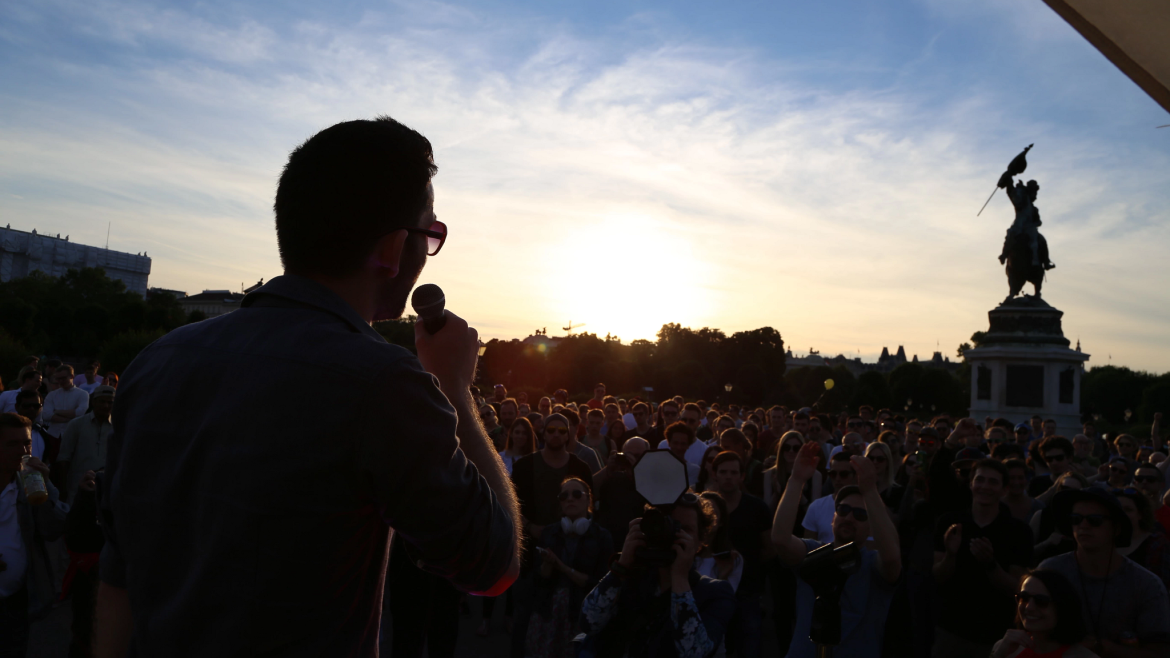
[691, 406]
[27, 374]
[64, 368]
[595, 413]
[573, 416]
[1070, 621]
[14, 421]
[641, 406]
[841, 456]
[1015, 465]
[24, 395]
[991, 465]
[704, 511]
[511, 401]
[1056, 443]
[733, 435]
[679, 427]
[345, 188]
[865, 407]
[800, 416]
[727, 456]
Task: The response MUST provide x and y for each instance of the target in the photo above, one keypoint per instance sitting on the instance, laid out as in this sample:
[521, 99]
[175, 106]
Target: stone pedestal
[1023, 366]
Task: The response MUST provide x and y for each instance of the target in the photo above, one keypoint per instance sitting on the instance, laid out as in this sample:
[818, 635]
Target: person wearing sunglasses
[1048, 622]
[573, 556]
[1126, 446]
[980, 554]
[1126, 608]
[1055, 452]
[776, 478]
[859, 512]
[1150, 480]
[1115, 473]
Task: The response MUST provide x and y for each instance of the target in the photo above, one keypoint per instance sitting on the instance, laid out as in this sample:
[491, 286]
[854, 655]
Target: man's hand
[982, 550]
[634, 540]
[450, 355]
[38, 465]
[685, 548]
[88, 481]
[953, 539]
[863, 468]
[806, 462]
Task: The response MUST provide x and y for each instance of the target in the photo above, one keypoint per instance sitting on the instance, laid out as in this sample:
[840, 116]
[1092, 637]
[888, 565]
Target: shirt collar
[306, 291]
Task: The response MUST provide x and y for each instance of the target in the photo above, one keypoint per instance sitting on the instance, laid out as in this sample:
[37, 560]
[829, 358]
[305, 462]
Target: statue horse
[1020, 269]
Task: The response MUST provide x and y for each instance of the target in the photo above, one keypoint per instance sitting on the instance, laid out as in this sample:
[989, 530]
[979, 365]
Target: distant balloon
[829, 384]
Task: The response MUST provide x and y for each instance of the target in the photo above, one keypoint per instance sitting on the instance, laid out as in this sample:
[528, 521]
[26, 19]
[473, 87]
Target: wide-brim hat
[1062, 505]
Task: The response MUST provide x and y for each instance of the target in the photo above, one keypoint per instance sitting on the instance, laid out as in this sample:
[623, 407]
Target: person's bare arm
[885, 535]
[451, 355]
[1156, 432]
[789, 548]
[944, 561]
[112, 623]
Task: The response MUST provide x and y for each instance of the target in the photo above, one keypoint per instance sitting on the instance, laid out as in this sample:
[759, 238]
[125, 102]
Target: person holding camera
[866, 594]
[664, 608]
[573, 556]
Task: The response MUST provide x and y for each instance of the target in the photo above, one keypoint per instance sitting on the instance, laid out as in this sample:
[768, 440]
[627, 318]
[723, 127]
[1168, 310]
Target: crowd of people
[914, 537]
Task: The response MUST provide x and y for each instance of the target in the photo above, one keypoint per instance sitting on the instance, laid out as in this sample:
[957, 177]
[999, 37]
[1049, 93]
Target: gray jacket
[39, 524]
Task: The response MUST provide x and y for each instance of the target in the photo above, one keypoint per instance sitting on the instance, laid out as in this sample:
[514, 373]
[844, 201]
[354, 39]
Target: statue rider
[1026, 224]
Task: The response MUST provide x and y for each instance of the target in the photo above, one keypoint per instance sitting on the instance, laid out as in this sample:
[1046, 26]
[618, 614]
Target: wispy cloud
[589, 179]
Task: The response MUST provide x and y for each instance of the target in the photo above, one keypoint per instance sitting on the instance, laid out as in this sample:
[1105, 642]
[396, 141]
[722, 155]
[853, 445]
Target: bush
[12, 356]
[117, 352]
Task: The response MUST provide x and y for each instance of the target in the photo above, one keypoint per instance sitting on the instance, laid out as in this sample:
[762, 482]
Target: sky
[814, 167]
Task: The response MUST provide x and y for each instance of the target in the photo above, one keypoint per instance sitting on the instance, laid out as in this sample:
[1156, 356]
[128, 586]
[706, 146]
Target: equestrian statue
[1025, 251]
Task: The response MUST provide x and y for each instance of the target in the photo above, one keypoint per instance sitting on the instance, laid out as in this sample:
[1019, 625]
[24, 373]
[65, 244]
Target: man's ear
[387, 254]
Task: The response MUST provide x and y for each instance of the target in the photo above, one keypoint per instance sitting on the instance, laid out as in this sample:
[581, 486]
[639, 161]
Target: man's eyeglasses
[859, 513]
[436, 236]
[1095, 520]
[1042, 601]
[577, 494]
[1147, 479]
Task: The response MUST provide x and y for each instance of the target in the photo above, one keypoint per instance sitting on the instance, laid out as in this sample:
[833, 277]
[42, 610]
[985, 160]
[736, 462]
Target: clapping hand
[953, 539]
[982, 550]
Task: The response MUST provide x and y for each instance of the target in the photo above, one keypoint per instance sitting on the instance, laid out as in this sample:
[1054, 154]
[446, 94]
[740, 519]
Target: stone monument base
[1023, 367]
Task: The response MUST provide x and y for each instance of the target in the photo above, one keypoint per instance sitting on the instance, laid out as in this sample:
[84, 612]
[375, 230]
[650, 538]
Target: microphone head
[428, 301]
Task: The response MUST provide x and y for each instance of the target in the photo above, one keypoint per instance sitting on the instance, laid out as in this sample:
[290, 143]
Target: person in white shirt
[89, 380]
[680, 439]
[29, 379]
[818, 520]
[521, 441]
[65, 403]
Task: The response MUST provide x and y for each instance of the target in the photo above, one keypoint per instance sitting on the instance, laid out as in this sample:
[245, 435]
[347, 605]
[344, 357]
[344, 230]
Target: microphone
[429, 302]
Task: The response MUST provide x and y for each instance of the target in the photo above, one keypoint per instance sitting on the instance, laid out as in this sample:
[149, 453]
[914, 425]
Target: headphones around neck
[578, 527]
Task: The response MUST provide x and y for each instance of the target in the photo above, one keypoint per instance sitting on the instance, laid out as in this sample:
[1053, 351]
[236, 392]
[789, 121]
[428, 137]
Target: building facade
[22, 253]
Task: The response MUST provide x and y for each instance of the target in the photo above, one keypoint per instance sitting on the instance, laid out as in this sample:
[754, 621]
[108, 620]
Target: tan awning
[1133, 34]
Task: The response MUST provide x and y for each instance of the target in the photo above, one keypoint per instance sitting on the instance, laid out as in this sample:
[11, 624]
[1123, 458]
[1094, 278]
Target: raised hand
[634, 540]
[806, 461]
[953, 539]
[866, 480]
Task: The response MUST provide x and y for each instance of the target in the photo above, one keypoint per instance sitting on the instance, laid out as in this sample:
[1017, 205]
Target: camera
[660, 528]
[826, 569]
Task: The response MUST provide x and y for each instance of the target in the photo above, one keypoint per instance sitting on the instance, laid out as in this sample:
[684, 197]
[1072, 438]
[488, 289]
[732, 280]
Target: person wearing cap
[84, 441]
[1023, 434]
[980, 554]
[1126, 608]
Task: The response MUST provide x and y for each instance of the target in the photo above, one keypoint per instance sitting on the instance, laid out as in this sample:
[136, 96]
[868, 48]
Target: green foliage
[76, 314]
[874, 390]
[12, 356]
[398, 332]
[1110, 390]
[117, 352]
[1155, 399]
[196, 316]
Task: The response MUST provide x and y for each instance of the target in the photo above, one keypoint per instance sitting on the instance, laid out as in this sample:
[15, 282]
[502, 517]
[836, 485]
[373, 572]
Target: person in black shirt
[980, 555]
[1057, 453]
[244, 522]
[749, 522]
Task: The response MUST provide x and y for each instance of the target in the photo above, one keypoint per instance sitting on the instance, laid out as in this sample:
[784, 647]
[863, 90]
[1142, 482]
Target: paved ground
[51, 635]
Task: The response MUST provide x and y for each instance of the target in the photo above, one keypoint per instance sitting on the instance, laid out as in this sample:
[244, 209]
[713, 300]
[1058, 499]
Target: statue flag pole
[1015, 168]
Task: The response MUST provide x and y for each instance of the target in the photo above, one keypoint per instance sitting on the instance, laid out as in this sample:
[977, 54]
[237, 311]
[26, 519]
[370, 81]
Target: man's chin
[390, 312]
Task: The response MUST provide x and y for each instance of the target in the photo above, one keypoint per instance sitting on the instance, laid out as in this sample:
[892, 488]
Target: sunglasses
[790, 448]
[436, 236]
[1147, 479]
[1095, 520]
[878, 459]
[556, 430]
[926, 442]
[858, 513]
[1042, 600]
[576, 494]
[1119, 469]
[841, 474]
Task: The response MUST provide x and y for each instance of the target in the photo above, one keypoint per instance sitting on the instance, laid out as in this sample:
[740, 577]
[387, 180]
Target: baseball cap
[102, 391]
[1023, 427]
[968, 456]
